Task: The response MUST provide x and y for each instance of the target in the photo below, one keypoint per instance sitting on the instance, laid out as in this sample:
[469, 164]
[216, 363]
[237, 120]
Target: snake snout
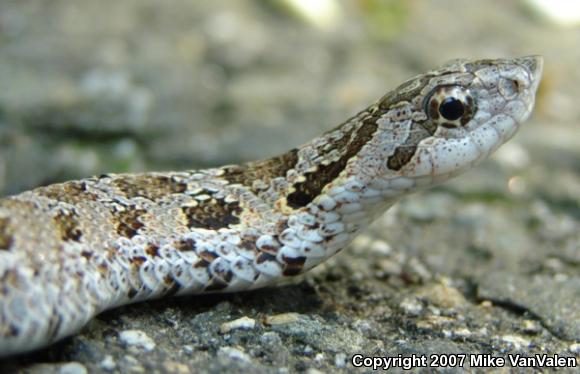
[534, 65]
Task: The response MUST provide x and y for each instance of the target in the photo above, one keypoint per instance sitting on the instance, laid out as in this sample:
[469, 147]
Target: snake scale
[69, 251]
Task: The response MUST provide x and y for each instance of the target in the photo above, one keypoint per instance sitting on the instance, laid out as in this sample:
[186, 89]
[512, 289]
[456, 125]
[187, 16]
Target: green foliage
[385, 18]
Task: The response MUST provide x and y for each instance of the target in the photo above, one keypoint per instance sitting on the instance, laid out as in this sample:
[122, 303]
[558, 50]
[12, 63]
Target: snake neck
[296, 178]
[321, 193]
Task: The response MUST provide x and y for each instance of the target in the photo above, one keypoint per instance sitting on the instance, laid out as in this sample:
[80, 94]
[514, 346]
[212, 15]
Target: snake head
[465, 94]
[438, 124]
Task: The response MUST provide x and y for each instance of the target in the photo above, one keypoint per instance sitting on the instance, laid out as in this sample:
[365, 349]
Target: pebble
[516, 341]
[390, 267]
[362, 326]
[234, 354]
[245, 323]
[340, 360]
[136, 338]
[188, 349]
[434, 322]
[462, 333]
[108, 363]
[487, 304]
[411, 306]
[574, 348]
[443, 296]
[319, 357]
[270, 338]
[282, 319]
[133, 364]
[381, 247]
[531, 327]
[73, 368]
[176, 367]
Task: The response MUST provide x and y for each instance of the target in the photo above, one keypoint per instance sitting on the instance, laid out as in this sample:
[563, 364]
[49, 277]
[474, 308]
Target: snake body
[72, 250]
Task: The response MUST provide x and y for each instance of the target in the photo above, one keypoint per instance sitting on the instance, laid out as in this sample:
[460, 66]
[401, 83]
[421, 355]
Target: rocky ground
[489, 263]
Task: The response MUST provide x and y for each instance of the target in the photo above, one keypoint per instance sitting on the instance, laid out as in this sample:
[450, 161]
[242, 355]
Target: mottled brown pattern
[202, 264]
[405, 152]
[152, 250]
[69, 192]
[208, 255]
[406, 92]
[6, 234]
[293, 266]
[172, 286]
[224, 275]
[264, 170]
[249, 244]
[127, 221]
[304, 192]
[132, 293]
[185, 245]
[215, 284]
[87, 254]
[265, 248]
[137, 260]
[67, 224]
[212, 214]
[151, 187]
[401, 157]
[265, 257]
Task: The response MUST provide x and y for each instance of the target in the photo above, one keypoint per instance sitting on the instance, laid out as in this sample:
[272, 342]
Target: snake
[72, 250]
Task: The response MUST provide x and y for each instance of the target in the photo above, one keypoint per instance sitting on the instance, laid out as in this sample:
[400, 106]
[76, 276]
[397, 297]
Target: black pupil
[451, 108]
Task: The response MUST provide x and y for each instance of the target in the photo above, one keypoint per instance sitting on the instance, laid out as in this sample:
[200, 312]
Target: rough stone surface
[489, 263]
[136, 339]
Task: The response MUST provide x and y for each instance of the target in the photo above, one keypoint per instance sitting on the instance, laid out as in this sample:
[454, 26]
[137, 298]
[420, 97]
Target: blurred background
[107, 86]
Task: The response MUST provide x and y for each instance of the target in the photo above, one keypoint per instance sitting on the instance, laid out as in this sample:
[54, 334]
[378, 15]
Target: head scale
[431, 127]
[438, 124]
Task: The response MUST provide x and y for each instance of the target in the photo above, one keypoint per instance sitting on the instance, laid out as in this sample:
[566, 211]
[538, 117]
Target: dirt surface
[486, 264]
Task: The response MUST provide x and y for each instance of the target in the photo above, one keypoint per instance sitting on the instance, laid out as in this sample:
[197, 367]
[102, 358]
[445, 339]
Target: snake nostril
[509, 88]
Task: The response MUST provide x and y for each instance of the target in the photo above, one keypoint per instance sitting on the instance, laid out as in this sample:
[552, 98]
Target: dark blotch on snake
[305, 192]
[212, 214]
[293, 265]
[6, 236]
[127, 221]
[68, 226]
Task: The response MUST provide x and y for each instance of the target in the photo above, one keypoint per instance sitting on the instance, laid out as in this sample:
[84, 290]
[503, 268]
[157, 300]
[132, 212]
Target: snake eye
[451, 109]
[450, 106]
